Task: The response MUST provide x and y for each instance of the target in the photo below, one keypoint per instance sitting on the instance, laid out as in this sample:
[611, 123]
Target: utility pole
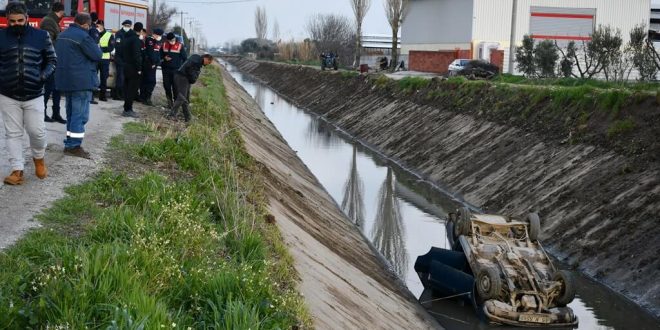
[512, 45]
[182, 13]
[192, 40]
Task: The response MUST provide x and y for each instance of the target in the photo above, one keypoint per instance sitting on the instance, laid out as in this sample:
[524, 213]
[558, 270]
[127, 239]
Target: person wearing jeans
[27, 59]
[51, 24]
[76, 77]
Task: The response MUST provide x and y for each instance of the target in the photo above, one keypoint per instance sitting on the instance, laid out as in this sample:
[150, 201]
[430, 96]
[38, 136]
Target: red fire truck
[112, 12]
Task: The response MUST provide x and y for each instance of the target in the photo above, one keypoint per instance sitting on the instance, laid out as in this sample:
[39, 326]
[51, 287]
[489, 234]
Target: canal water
[404, 217]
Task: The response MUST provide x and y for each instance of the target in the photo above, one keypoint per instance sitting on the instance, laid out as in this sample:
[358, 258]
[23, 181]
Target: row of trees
[327, 32]
[603, 55]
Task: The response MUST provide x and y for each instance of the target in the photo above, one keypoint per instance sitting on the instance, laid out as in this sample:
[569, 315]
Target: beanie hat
[170, 36]
[138, 27]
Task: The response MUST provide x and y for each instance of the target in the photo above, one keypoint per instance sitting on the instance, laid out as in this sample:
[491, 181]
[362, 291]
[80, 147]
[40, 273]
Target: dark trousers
[118, 91]
[148, 83]
[104, 68]
[49, 89]
[183, 87]
[131, 86]
[168, 84]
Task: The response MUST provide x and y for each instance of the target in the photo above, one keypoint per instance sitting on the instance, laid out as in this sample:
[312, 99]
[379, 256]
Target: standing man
[107, 44]
[76, 77]
[183, 78]
[173, 54]
[131, 54]
[118, 91]
[94, 33]
[152, 46]
[51, 24]
[27, 59]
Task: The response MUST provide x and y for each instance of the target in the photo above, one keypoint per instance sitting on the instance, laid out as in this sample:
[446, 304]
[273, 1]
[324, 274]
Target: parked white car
[457, 65]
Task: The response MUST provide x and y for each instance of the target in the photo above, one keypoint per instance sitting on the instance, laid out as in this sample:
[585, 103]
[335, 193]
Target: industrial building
[435, 32]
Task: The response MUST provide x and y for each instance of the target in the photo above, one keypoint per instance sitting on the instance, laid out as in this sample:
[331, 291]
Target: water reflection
[388, 232]
[321, 134]
[353, 202]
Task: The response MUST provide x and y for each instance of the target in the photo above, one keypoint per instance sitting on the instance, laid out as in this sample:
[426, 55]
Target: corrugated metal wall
[492, 18]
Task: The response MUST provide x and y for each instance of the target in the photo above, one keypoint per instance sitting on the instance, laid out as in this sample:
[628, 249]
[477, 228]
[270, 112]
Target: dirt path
[19, 204]
[344, 281]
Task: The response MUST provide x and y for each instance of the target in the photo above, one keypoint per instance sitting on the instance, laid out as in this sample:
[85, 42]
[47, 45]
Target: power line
[210, 2]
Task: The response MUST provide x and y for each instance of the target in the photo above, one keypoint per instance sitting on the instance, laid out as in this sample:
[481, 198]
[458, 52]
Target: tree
[360, 9]
[396, 12]
[596, 56]
[545, 58]
[566, 65]
[260, 22]
[276, 31]
[525, 57]
[332, 33]
[642, 56]
[160, 16]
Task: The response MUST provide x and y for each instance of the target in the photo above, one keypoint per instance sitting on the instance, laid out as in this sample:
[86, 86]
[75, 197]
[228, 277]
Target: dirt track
[345, 284]
[600, 208]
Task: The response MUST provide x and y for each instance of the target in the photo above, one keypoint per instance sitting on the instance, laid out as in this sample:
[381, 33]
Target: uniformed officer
[107, 44]
[174, 55]
[118, 91]
[151, 61]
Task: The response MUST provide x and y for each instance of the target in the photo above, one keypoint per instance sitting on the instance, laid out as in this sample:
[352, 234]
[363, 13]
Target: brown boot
[40, 169]
[15, 178]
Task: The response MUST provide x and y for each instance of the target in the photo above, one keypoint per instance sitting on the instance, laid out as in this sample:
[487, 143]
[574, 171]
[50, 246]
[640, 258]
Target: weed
[349, 74]
[409, 84]
[619, 127]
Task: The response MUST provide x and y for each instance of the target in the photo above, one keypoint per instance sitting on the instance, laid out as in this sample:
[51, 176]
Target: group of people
[37, 64]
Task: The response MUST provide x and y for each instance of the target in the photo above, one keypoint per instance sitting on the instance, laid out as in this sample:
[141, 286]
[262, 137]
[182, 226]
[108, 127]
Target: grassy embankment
[170, 235]
[573, 101]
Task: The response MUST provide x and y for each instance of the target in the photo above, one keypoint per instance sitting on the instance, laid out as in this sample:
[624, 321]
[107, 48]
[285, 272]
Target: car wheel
[534, 226]
[489, 283]
[463, 220]
[567, 291]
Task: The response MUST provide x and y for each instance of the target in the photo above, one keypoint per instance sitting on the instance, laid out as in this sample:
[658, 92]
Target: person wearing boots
[21, 89]
[173, 54]
[76, 77]
[131, 51]
[152, 46]
[107, 44]
[118, 91]
[51, 24]
[96, 35]
[185, 77]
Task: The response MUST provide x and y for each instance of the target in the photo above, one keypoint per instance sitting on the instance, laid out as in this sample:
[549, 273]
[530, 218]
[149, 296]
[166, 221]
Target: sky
[229, 22]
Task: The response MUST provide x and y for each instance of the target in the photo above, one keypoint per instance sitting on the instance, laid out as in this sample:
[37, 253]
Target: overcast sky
[235, 21]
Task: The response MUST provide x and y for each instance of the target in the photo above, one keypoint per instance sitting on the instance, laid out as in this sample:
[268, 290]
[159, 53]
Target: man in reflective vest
[107, 44]
[151, 62]
[174, 55]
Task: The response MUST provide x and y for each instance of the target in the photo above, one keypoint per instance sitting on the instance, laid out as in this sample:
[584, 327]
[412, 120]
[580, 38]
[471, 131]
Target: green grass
[576, 82]
[620, 127]
[153, 249]
[409, 84]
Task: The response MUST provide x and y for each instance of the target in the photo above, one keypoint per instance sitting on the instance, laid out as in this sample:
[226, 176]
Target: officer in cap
[118, 92]
[152, 60]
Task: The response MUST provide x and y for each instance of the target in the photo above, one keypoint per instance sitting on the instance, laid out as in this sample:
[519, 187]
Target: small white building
[435, 32]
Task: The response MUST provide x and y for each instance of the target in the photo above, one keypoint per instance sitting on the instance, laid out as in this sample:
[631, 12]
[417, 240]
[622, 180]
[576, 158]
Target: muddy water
[403, 216]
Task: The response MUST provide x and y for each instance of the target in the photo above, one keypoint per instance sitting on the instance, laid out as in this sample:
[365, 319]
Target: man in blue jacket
[76, 77]
[27, 59]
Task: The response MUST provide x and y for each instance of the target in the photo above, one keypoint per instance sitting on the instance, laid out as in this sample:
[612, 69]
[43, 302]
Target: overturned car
[498, 265]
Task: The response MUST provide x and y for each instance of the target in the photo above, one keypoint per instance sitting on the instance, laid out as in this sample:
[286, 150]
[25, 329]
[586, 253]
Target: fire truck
[112, 12]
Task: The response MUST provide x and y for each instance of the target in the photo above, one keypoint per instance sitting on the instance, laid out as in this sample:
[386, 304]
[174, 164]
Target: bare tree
[360, 9]
[389, 232]
[396, 12]
[276, 31]
[161, 15]
[353, 202]
[332, 33]
[260, 22]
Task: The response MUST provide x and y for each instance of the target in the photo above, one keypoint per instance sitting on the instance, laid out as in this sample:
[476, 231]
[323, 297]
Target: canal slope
[345, 283]
[599, 195]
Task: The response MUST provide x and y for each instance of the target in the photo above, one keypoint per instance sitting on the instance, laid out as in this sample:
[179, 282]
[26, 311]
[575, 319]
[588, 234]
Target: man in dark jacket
[173, 54]
[152, 46]
[118, 91]
[76, 77]
[184, 78]
[51, 24]
[27, 59]
[131, 54]
[96, 35]
[107, 44]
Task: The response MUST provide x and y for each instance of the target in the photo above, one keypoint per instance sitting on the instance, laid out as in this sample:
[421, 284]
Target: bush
[545, 58]
[525, 57]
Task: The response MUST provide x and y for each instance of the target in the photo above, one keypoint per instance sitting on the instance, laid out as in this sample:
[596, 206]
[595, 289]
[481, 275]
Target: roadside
[345, 283]
[21, 203]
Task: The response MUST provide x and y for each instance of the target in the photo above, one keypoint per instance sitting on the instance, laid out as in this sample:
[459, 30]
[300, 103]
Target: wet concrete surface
[403, 216]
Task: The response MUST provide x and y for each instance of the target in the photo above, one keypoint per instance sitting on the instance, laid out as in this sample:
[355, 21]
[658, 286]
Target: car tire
[534, 226]
[489, 283]
[463, 219]
[567, 293]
